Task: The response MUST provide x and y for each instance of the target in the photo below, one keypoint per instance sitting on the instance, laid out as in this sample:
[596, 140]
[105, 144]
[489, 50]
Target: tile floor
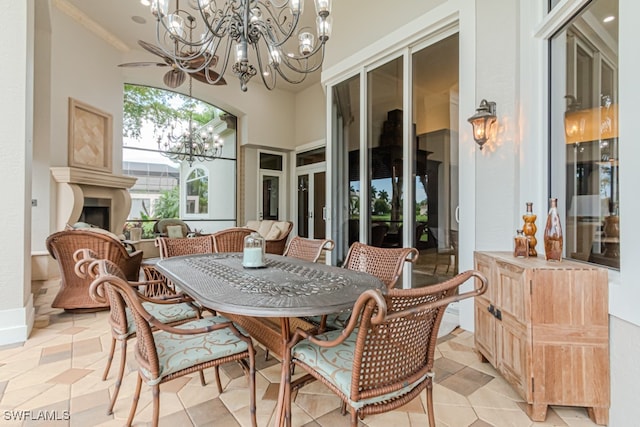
[57, 373]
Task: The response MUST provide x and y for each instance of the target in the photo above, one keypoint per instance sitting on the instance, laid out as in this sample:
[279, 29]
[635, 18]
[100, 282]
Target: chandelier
[192, 141]
[212, 33]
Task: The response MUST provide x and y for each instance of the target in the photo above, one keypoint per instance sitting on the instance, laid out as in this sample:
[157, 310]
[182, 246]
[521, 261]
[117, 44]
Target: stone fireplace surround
[74, 185]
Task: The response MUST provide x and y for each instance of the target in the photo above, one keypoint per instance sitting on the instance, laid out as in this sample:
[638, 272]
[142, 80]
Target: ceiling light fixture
[192, 142]
[609, 18]
[243, 32]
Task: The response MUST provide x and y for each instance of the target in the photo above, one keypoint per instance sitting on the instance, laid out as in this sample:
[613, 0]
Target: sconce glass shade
[482, 121]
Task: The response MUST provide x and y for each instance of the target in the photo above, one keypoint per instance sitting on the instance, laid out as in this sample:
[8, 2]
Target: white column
[16, 48]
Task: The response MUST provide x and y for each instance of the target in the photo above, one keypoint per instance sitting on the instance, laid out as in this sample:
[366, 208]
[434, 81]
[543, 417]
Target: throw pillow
[174, 231]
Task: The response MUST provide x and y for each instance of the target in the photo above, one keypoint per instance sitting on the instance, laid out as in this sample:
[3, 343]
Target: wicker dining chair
[384, 357]
[170, 247]
[73, 294]
[172, 352]
[384, 263]
[171, 309]
[230, 240]
[308, 249]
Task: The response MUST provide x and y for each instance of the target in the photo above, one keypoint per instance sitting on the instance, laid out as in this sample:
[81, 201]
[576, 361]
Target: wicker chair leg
[134, 402]
[116, 390]
[203, 382]
[354, 417]
[156, 405]
[109, 359]
[343, 408]
[432, 418]
[216, 369]
[266, 354]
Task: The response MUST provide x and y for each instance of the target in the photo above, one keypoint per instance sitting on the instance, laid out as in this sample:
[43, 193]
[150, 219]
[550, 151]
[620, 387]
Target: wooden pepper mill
[529, 228]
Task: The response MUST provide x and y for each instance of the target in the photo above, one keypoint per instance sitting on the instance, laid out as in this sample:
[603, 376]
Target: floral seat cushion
[335, 365]
[177, 352]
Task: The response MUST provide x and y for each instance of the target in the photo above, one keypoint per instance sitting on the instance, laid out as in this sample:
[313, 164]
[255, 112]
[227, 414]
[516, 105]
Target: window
[584, 133]
[197, 192]
[167, 188]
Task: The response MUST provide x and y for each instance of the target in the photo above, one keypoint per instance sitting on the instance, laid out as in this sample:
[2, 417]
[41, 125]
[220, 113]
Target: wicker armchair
[384, 263]
[384, 358]
[160, 227]
[74, 290]
[308, 249]
[277, 246]
[230, 240]
[171, 310]
[172, 352]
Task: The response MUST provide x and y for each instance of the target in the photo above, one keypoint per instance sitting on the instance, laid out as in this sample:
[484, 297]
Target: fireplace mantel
[75, 184]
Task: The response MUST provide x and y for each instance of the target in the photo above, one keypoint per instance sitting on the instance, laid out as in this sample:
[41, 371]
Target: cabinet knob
[491, 309]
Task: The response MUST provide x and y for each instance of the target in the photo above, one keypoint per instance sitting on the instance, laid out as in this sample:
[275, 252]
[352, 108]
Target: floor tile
[69, 376]
[466, 381]
[60, 369]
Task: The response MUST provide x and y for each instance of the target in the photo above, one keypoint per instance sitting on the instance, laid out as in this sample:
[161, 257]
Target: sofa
[275, 234]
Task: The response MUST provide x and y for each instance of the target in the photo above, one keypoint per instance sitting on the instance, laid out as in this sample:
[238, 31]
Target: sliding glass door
[391, 160]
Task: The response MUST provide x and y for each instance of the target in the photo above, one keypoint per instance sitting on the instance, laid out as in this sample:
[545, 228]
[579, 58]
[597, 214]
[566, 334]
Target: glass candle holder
[253, 252]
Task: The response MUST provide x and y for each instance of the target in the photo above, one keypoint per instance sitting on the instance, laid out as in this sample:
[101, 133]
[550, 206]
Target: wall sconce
[482, 120]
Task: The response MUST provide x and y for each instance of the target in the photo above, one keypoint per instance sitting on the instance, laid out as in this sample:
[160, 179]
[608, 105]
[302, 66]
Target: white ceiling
[113, 21]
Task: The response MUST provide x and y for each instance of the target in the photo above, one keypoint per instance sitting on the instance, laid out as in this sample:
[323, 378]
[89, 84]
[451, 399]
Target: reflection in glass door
[270, 197]
[311, 203]
[435, 154]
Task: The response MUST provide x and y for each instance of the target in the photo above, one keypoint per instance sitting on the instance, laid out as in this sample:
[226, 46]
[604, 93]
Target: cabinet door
[571, 336]
[513, 330]
[485, 322]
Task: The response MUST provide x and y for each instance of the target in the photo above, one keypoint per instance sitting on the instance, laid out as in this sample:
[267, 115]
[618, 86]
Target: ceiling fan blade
[174, 78]
[143, 64]
[202, 77]
[153, 49]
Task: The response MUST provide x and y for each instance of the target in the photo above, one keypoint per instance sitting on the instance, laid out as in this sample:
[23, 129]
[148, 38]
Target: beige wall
[16, 122]
[311, 115]
[359, 23]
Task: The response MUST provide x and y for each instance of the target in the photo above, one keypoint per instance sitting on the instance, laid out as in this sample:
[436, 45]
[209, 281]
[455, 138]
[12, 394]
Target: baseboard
[16, 323]
[43, 266]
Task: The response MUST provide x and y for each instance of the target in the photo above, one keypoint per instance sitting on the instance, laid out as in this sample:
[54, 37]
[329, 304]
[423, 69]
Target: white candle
[252, 257]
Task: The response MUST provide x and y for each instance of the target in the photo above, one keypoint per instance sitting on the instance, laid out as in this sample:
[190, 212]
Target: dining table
[284, 288]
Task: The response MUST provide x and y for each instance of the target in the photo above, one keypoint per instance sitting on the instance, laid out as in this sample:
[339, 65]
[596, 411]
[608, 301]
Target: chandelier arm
[273, 40]
[219, 30]
[226, 55]
[290, 63]
[269, 86]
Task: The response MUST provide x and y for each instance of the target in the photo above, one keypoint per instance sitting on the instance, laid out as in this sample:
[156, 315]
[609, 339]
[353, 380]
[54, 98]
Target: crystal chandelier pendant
[252, 37]
[194, 142]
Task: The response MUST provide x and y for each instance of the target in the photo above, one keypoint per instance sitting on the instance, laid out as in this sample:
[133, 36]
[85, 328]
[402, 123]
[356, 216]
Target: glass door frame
[282, 185]
[310, 170]
[408, 185]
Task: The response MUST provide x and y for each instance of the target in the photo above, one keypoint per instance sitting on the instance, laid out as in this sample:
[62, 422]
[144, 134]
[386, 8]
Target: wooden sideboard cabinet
[545, 327]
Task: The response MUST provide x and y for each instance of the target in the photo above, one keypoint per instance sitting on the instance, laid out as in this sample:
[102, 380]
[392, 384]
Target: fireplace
[92, 195]
[96, 212]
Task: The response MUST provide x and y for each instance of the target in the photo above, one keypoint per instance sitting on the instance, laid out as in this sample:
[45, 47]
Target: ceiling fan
[175, 76]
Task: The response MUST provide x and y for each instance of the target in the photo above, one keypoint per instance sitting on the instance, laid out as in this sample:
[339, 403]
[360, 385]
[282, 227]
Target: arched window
[197, 192]
[166, 186]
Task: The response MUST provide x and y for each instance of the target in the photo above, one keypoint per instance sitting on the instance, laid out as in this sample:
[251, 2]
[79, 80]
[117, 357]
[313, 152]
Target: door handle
[456, 215]
[324, 213]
